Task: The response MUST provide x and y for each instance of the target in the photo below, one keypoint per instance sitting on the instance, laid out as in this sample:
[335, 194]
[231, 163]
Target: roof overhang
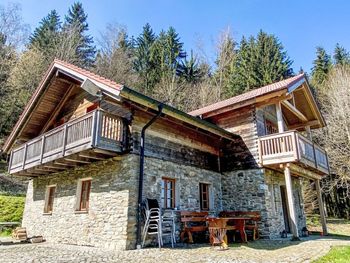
[93, 86]
[54, 69]
[265, 96]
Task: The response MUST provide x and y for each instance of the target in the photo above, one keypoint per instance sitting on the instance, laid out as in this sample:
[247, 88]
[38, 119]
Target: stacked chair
[156, 223]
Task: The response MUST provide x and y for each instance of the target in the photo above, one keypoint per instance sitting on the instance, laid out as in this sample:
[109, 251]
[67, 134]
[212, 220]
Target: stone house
[94, 149]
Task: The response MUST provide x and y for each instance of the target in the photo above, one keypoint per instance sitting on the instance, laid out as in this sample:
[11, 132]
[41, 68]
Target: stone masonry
[111, 219]
[259, 190]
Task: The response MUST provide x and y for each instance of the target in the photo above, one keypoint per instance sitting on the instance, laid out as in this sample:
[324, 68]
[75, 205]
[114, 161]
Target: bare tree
[335, 99]
[12, 26]
[115, 59]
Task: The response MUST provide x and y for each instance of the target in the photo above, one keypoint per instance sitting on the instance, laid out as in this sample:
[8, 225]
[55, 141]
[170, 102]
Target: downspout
[142, 156]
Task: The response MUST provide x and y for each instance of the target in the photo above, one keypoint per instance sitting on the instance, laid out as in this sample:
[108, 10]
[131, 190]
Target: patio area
[259, 251]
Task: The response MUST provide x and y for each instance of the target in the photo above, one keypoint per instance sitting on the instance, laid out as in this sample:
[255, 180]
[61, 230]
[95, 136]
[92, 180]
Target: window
[50, 195]
[204, 196]
[168, 193]
[83, 194]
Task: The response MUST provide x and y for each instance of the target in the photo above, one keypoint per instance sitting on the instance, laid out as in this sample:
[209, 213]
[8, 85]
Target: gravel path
[258, 251]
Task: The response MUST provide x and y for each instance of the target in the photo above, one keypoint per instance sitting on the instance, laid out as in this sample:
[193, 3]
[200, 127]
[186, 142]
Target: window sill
[47, 214]
[81, 212]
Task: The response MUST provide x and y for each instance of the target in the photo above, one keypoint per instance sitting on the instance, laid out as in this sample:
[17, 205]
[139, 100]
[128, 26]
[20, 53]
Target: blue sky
[300, 25]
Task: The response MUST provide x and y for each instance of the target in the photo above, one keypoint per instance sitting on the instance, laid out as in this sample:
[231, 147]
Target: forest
[156, 64]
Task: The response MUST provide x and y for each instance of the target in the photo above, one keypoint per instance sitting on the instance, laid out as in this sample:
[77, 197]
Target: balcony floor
[59, 164]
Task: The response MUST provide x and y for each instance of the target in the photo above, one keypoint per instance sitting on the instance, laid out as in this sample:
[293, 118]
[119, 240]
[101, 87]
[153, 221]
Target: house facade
[79, 140]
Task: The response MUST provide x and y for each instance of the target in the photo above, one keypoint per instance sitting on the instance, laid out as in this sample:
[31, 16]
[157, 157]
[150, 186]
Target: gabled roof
[288, 84]
[109, 88]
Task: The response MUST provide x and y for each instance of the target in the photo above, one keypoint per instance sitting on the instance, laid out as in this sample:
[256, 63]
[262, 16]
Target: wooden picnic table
[218, 228]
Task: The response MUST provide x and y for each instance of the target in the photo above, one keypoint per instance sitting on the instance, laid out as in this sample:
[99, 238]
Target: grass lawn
[11, 210]
[336, 255]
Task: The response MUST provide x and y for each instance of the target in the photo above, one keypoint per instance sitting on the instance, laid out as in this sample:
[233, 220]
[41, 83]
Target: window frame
[49, 198]
[164, 199]
[204, 200]
[83, 195]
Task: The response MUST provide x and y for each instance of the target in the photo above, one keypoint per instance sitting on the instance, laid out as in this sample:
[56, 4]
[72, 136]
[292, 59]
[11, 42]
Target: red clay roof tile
[249, 95]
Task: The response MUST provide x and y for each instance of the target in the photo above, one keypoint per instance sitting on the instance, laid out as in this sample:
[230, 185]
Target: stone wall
[259, 190]
[111, 219]
[187, 179]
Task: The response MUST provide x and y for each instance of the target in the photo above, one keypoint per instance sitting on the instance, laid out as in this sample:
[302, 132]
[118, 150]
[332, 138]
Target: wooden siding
[243, 123]
[169, 140]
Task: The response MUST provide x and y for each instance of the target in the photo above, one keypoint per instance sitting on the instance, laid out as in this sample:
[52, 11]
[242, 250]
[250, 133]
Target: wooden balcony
[292, 147]
[94, 136]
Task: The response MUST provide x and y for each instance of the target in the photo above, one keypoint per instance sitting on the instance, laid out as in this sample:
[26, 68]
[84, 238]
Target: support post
[321, 207]
[308, 132]
[293, 218]
[279, 117]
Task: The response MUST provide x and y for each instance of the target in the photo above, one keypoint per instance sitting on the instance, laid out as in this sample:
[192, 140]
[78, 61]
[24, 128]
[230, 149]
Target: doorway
[285, 208]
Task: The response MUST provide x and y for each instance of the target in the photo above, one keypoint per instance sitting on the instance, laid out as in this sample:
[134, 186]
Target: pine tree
[143, 63]
[45, 36]
[322, 66]
[190, 70]
[77, 19]
[341, 56]
[168, 52]
[273, 62]
[260, 61]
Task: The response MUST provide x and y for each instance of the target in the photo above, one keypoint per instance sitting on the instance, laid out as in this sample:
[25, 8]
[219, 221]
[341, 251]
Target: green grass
[336, 255]
[11, 210]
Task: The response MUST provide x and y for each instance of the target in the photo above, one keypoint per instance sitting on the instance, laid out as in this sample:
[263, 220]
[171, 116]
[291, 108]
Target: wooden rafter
[294, 110]
[57, 109]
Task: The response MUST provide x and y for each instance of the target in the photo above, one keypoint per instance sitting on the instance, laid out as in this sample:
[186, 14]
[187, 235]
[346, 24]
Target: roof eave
[151, 103]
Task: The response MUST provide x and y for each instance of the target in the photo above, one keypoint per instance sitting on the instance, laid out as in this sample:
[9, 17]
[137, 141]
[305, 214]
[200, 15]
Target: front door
[285, 208]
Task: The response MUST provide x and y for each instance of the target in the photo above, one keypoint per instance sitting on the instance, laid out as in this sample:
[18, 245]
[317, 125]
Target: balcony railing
[95, 130]
[291, 146]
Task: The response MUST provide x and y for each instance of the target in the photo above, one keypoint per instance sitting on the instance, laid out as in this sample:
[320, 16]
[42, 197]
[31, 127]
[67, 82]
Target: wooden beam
[321, 207]
[273, 100]
[77, 160]
[91, 156]
[279, 117]
[104, 152]
[294, 110]
[301, 171]
[56, 167]
[303, 125]
[293, 218]
[57, 109]
[63, 163]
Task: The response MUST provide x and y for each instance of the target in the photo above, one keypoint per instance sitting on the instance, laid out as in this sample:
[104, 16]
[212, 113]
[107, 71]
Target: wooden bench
[251, 225]
[193, 222]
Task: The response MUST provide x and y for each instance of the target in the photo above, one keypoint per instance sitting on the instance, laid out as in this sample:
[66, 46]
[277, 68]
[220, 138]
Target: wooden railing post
[24, 155]
[42, 148]
[64, 139]
[314, 151]
[97, 127]
[93, 128]
[10, 162]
